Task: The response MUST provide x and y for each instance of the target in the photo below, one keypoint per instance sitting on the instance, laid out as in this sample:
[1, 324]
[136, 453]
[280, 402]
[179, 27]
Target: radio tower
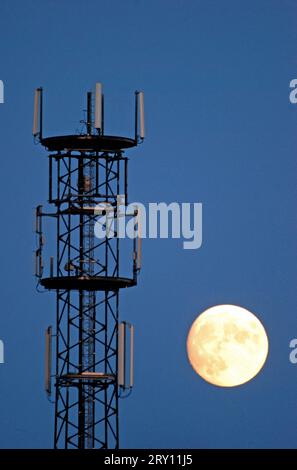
[93, 351]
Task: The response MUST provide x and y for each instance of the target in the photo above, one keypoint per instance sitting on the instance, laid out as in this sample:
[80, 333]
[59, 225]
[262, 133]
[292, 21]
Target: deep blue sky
[221, 131]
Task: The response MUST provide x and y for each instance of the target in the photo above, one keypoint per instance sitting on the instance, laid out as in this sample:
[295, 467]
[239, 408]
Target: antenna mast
[86, 171]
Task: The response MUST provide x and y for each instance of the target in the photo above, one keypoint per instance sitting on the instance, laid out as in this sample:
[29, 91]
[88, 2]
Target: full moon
[227, 345]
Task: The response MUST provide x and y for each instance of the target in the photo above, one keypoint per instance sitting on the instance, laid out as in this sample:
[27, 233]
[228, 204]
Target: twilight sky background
[221, 131]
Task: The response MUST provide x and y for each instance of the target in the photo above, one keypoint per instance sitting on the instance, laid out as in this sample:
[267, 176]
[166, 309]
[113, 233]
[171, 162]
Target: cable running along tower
[93, 350]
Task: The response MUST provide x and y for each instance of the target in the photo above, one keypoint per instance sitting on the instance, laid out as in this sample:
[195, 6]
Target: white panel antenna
[98, 108]
[139, 239]
[38, 252]
[48, 360]
[141, 115]
[124, 329]
[122, 347]
[131, 356]
[1, 92]
[37, 117]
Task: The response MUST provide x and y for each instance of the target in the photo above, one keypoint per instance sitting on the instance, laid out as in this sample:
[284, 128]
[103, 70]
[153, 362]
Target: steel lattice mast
[87, 174]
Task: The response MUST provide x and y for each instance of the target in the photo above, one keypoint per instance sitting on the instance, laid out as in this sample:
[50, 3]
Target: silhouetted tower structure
[93, 354]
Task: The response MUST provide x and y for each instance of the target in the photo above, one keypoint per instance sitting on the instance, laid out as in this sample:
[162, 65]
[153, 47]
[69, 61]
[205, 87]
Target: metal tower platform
[93, 360]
